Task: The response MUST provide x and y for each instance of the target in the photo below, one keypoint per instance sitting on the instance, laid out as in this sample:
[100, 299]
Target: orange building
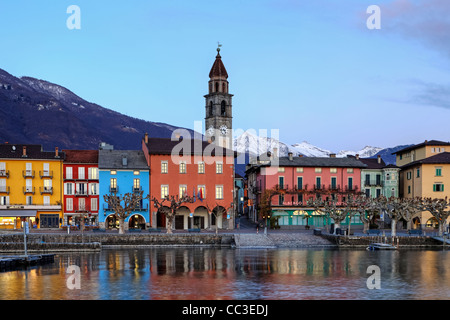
[195, 168]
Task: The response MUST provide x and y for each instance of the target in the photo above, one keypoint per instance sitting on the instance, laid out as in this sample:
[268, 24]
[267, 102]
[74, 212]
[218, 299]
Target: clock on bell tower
[218, 110]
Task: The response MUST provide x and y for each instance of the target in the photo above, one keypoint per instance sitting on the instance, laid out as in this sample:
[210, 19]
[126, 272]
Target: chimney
[146, 138]
[332, 155]
[24, 151]
[379, 159]
[291, 156]
[357, 156]
[56, 152]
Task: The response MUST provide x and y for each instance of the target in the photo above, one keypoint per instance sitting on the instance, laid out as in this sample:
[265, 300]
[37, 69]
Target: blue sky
[311, 69]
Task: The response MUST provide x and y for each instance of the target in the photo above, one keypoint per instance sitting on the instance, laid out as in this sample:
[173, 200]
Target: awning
[18, 213]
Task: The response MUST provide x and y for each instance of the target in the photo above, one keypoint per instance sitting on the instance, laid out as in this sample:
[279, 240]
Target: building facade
[379, 179]
[81, 187]
[30, 186]
[198, 169]
[121, 172]
[298, 179]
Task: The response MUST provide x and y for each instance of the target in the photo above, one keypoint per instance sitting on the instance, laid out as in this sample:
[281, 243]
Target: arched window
[217, 87]
[223, 109]
[210, 109]
[224, 88]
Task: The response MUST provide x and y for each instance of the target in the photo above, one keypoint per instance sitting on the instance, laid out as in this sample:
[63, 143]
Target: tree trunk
[121, 226]
[169, 224]
[441, 228]
[337, 225]
[366, 226]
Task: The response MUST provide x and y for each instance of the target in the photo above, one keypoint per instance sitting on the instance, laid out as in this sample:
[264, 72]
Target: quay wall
[406, 242]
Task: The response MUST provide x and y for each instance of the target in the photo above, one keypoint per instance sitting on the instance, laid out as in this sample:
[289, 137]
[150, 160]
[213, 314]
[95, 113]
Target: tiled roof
[33, 151]
[185, 147]
[81, 156]
[113, 159]
[349, 162]
[440, 158]
[425, 143]
[372, 163]
[218, 69]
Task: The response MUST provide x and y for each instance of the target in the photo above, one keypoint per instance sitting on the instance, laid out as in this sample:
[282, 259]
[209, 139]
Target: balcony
[28, 174]
[136, 189]
[81, 193]
[46, 174]
[4, 173]
[334, 187]
[46, 190]
[351, 188]
[114, 189]
[319, 187]
[301, 187]
[29, 190]
[4, 189]
[81, 208]
[281, 187]
[373, 183]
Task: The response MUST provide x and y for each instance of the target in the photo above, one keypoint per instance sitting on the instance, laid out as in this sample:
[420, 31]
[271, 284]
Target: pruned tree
[333, 209]
[439, 208]
[397, 209]
[124, 205]
[217, 211]
[169, 206]
[368, 210]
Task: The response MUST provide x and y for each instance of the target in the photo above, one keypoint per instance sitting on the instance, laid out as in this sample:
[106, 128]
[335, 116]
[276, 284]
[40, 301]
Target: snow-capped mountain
[254, 145]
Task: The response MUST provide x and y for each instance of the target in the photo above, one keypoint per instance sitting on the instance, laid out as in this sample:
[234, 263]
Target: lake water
[235, 274]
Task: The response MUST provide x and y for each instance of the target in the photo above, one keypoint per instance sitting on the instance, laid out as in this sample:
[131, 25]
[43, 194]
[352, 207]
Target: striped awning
[18, 213]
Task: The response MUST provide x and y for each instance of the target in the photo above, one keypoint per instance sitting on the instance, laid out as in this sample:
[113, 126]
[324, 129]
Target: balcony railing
[4, 189]
[136, 189]
[46, 190]
[351, 188]
[334, 187]
[319, 187]
[29, 190]
[301, 187]
[114, 189]
[281, 186]
[28, 173]
[81, 193]
[106, 207]
[81, 208]
[46, 174]
[4, 173]
[373, 183]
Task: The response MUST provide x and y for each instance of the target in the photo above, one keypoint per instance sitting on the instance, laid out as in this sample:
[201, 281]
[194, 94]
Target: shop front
[13, 219]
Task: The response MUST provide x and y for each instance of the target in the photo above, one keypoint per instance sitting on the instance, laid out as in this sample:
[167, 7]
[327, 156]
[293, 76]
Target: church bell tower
[218, 110]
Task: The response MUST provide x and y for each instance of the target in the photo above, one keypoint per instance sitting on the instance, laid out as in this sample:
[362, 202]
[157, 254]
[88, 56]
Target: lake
[234, 274]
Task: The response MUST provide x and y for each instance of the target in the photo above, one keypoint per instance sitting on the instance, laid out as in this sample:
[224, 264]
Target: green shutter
[434, 187]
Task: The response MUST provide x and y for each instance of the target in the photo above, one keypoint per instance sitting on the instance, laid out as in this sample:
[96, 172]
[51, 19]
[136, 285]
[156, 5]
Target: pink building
[323, 177]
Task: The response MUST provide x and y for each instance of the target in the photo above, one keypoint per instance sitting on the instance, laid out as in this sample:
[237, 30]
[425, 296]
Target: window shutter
[434, 187]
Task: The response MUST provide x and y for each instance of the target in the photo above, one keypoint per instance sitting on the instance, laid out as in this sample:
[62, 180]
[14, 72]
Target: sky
[312, 70]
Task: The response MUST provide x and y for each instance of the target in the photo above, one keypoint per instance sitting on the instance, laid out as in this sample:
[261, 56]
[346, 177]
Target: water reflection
[198, 274]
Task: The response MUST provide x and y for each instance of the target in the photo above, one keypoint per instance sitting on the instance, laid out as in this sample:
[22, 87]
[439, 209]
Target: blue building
[123, 171]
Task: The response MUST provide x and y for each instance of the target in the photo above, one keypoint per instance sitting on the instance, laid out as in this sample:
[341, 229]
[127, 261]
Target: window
[367, 193]
[299, 183]
[318, 170]
[388, 176]
[201, 167]
[93, 173]
[281, 182]
[68, 189]
[281, 199]
[438, 172]
[408, 175]
[81, 204]
[2, 168]
[333, 170]
[418, 173]
[47, 185]
[136, 184]
[219, 192]
[113, 185]
[183, 190]
[438, 187]
[349, 170]
[69, 173]
[219, 167]
[81, 172]
[94, 204]
[46, 201]
[318, 183]
[81, 188]
[46, 172]
[2, 185]
[164, 191]
[333, 183]
[164, 166]
[223, 108]
[4, 201]
[299, 169]
[29, 185]
[378, 193]
[280, 169]
[136, 172]
[350, 183]
[29, 200]
[93, 189]
[113, 172]
[409, 189]
[183, 167]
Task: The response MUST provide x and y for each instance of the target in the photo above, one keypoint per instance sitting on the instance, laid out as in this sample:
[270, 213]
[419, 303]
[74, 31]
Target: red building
[199, 169]
[81, 187]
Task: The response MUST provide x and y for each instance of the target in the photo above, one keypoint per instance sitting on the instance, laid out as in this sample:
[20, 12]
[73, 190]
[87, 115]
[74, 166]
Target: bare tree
[333, 209]
[217, 211]
[124, 205]
[169, 206]
[397, 209]
[439, 208]
[368, 210]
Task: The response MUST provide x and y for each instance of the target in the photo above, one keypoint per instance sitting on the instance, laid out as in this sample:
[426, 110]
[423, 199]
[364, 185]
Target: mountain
[386, 154]
[35, 111]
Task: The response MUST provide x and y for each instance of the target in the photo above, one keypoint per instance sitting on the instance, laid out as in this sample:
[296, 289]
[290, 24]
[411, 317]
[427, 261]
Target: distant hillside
[39, 112]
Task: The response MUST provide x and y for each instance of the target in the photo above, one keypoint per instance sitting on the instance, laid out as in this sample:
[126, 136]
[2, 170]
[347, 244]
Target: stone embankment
[281, 240]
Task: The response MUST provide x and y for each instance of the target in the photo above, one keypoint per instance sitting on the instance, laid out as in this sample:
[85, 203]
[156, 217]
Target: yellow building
[425, 173]
[30, 186]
